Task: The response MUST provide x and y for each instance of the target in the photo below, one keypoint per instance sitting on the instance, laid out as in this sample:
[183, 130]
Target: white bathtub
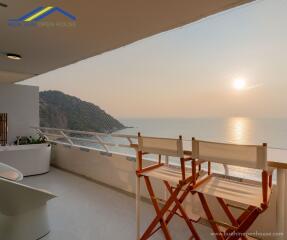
[31, 159]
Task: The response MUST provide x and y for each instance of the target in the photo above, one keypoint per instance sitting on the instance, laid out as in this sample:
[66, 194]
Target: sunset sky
[190, 71]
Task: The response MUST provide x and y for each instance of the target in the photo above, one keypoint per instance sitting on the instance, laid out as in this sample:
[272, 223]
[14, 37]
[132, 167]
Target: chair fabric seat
[240, 192]
[171, 174]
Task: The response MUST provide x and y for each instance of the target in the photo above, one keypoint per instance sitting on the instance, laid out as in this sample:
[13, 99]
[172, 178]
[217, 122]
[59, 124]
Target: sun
[239, 84]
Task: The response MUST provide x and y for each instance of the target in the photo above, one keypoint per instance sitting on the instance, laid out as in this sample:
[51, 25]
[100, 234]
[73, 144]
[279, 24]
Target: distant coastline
[59, 110]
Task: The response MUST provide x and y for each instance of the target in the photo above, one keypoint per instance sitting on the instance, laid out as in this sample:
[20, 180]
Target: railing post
[102, 143]
[42, 134]
[129, 139]
[67, 138]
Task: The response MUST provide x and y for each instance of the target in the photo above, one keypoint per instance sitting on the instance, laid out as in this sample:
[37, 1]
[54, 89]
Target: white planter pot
[31, 159]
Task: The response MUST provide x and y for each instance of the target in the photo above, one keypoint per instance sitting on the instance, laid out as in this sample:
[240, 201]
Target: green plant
[24, 140]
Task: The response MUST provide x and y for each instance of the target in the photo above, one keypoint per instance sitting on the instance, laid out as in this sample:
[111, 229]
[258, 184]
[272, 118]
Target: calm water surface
[234, 130]
[231, 130]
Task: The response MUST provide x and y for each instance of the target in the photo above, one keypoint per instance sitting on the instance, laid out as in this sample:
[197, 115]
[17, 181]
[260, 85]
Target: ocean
[229, 130]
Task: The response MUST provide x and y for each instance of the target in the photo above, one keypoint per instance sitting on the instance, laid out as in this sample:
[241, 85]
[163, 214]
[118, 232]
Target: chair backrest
[162, 146]
[249, 156]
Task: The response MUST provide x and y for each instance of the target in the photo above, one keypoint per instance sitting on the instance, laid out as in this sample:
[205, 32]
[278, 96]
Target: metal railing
[93, 140]
[114, 143]
[109, 143]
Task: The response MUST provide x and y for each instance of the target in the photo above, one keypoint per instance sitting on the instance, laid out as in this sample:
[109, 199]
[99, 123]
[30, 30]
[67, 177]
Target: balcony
[85, 209]
[93, 176]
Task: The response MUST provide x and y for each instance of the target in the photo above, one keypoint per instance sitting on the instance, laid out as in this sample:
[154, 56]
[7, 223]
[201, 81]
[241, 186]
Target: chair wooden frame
[177, 196]
[239, 226]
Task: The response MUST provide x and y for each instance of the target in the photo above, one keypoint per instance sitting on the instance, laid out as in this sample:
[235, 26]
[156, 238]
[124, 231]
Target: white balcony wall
[22, 105]
[118, 171]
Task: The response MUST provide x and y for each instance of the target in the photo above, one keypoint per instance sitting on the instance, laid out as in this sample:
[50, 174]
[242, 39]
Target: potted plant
[30, 155]
[24, 140]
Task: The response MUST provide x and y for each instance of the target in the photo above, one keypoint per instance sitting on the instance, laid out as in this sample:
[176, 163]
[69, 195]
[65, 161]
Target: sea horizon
[240, 130]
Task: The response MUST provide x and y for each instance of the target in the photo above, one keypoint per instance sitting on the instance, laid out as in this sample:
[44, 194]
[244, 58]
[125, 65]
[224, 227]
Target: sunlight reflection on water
[239, 130]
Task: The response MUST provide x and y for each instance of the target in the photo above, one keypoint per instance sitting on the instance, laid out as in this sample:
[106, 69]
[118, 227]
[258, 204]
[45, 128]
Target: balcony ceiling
[101, 25]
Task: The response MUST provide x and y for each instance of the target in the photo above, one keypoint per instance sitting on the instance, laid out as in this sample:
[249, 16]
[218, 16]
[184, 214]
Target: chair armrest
[151, 167]
[186, 155]
[186, 152]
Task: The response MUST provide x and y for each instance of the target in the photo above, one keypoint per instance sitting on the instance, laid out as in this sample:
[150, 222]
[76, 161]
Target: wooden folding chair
[254, 196]
[177, 182]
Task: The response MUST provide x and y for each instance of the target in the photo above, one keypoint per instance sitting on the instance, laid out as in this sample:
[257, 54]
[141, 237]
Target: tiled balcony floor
[85, 210]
